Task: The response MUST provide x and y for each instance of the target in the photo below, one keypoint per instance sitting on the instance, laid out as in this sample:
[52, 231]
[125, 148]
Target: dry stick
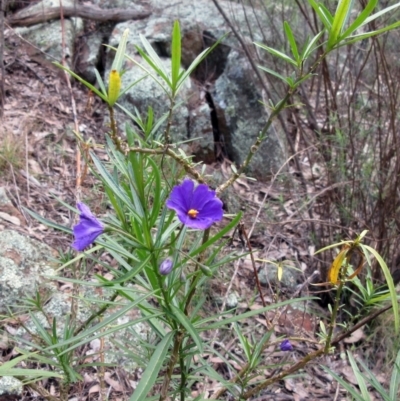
[23, 18]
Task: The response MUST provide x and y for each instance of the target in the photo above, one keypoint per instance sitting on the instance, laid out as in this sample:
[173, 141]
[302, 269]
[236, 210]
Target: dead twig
[28, 18]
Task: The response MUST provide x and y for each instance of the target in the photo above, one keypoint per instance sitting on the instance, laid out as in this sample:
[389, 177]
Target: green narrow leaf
[175, 56]
[389, 282]
[81, 80]
[359, 377]
[311, 46]
[223, 322]
[31, 373]
[277, 53]
[357, 396]
[109, 180]
[360, 19]
[357, 38]
[217, 236]
[342, 11]
[395, 379]
[380, 13]
[47, 222]
[371, 378]
[156, 70]
[292, 41]
[324, 15]
[84, 336]
[275, 74]
[149, 376]
[184, 321]
[243, 341]
[185, 74]
[101, 84]
[156, 62]
[120, 54]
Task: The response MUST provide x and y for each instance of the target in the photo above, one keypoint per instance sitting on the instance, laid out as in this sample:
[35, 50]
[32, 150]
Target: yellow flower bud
[114, 87]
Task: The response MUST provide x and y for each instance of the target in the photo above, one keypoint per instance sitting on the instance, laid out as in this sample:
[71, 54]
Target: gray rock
[48, 37]
[10, 386]
[225, 80]
[24, 263]
[231, 301]
[238, 93]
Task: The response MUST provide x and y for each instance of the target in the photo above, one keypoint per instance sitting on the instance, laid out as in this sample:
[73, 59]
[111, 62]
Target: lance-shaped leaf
[342, 12]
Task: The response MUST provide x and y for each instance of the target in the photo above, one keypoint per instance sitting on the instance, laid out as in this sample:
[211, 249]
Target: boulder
[222, 108]
[24, 263]
[48, 37]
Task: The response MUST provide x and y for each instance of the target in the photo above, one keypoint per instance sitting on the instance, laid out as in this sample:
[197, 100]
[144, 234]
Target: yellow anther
[193, 213]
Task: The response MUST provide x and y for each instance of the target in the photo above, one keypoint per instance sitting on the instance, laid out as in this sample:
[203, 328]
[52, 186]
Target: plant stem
[174, 357]
[114, 132]
[180, 159]
[183, 375]
[167, 137]
[334, 315]
[195, 277]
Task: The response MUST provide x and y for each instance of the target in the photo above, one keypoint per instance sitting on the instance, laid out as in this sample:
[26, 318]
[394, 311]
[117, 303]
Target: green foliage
[141, 232]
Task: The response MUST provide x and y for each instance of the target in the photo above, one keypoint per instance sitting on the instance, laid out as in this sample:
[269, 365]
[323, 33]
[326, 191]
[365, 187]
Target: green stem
[196, 276]
[167, 136]
[335, 311]
[96, 314]
[114, 131]
[182, 388]
[180, 159]
[174, 357]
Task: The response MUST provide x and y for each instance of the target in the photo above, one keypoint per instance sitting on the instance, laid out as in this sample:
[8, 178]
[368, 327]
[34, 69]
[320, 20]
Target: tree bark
[26, 18]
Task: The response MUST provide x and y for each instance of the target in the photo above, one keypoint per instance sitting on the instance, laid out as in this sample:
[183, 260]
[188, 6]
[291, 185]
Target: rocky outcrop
[24, 264]
[219, 114]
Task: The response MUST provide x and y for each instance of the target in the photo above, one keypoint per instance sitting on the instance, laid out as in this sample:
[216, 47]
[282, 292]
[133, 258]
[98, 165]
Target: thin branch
[28, 18]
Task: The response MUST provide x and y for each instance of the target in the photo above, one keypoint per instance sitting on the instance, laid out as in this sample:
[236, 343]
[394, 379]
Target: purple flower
[286, 346]
[166, 267]
[88, 228]
[196, 207]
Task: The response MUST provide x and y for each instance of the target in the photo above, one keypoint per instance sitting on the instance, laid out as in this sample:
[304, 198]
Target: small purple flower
[88, 228]
[286, 346]
[196, 207]
[166, 267]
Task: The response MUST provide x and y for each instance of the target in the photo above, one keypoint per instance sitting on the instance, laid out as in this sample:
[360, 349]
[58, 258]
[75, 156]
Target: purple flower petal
[196, 207]
[166, 267]
[286, 346]
[180, 198]
[88, 228]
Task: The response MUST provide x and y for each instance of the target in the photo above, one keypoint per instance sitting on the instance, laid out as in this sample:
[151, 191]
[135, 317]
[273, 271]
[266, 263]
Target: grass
[11, 153]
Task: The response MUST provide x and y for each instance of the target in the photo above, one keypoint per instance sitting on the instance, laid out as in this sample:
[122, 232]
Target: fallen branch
[26, 18]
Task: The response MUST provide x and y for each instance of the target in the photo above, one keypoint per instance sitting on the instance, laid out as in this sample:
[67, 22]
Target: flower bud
[166, 267]
[114, 87]
[286, 346]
